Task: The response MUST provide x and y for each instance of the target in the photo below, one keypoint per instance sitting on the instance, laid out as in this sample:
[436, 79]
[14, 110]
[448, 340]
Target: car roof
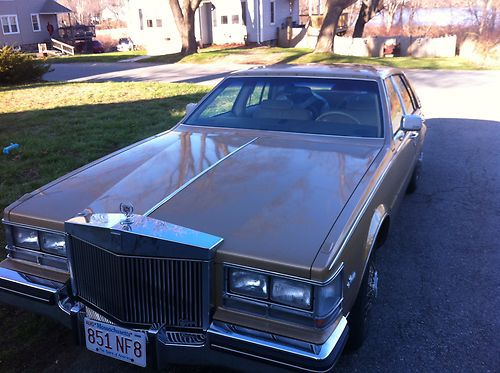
[319, 70]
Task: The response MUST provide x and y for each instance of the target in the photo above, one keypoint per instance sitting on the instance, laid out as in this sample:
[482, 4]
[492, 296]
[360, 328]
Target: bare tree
[390, 9]
[368, 10]
[114, 6]
[184, 19]
[333, 10]
[483, 14]
[84, 10]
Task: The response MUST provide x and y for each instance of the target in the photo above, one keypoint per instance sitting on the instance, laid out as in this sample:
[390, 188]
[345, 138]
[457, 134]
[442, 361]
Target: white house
[152, 25]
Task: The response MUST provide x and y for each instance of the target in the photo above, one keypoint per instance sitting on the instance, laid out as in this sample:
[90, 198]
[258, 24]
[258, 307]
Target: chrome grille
[181, 338]
[139, 290]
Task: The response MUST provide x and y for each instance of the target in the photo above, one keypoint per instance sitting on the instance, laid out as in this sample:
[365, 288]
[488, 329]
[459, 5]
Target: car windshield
[342, 107]
[123, 41]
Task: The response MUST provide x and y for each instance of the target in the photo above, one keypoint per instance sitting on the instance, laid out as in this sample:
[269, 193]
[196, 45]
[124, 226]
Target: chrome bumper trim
[316, 352]
[30, 286]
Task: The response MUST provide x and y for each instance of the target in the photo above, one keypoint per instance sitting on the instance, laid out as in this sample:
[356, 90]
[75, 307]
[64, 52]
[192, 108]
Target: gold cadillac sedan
[243, 237]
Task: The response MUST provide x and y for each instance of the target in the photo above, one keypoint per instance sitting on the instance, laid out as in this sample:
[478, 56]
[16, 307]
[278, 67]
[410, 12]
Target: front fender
[378, 217]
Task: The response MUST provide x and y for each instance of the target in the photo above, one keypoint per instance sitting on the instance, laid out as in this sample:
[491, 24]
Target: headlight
[53, 243]
[26, 238]
[248, 283]
[300, 301]
[291, 293]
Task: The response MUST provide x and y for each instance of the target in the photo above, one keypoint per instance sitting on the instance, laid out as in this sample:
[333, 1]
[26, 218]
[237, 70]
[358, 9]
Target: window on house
[35, 22]
[149, 23]
[244, 13]
[159, 23]
[273, 12]
[223, 20]
[141, 20]
[235, 19]
[9, 24]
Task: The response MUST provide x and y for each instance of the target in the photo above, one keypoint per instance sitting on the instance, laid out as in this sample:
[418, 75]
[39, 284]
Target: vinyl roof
[320, 70]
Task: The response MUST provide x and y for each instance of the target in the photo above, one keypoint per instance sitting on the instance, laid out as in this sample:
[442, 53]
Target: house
[152, 25]
[25, 23]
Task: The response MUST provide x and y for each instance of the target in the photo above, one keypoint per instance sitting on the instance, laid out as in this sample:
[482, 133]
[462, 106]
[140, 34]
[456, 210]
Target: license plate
[116, 342]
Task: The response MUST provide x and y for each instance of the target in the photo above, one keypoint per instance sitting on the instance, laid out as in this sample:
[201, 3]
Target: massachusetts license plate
[113, 341]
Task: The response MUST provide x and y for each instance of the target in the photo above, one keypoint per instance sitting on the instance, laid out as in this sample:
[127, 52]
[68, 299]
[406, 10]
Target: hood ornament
[127, 209]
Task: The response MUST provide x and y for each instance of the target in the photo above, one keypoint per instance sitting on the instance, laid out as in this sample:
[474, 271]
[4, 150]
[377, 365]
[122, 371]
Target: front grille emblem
[127, 209]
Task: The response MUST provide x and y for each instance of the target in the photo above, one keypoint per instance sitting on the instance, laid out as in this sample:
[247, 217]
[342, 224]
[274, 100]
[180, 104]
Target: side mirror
[412, 122]
[190, 108]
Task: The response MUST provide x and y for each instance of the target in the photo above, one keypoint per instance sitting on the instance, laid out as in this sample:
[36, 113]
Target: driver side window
[223, 102]
[395, 108]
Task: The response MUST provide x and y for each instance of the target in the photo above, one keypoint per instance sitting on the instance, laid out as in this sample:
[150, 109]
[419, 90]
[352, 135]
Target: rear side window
[394, 106]
[405, 94]
[259, 93]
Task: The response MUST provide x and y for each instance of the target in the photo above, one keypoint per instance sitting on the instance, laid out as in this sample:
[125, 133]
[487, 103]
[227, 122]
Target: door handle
[414, 135]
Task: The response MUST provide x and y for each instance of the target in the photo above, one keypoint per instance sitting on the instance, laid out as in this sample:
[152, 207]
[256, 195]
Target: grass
[60, 127]
[97, 57]
[275, 55]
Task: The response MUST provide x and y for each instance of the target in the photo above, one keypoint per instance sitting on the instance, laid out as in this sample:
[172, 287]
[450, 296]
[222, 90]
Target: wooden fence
[372, 46]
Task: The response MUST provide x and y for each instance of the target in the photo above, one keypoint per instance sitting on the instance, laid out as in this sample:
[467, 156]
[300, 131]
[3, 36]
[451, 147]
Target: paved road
[440, 269]
[137, 72]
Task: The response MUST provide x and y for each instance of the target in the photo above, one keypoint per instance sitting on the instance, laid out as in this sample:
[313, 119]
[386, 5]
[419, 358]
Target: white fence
[373, 46]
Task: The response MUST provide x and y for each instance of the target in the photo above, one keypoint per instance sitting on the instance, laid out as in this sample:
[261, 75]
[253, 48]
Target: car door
[411, 105]
[403, 143]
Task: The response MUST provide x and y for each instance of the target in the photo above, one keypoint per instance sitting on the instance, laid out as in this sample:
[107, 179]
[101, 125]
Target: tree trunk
[368, 10]
[184, 19]
[327, 32]
[359, 27]
[188, 37]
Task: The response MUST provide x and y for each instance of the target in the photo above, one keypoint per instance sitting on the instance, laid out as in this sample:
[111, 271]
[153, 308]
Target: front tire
[359, 316]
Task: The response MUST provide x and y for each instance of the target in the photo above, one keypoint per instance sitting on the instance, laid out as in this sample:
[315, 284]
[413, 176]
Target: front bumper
[222, 345]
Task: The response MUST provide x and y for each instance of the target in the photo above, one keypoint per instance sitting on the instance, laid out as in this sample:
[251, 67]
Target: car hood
[272, 197]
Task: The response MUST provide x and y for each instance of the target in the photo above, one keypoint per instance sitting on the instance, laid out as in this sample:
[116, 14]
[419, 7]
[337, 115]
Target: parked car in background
[125, 45]
[245, 236]
[89, 46]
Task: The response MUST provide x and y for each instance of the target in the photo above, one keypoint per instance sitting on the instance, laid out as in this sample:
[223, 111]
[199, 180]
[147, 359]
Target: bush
[17, 67]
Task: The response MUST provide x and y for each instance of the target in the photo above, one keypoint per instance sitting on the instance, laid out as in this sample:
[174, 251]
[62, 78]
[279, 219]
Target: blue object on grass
[12, 146]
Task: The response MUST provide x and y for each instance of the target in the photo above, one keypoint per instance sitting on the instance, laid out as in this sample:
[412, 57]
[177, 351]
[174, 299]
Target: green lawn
[61, 127]
[275, 55]
[98, 57]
